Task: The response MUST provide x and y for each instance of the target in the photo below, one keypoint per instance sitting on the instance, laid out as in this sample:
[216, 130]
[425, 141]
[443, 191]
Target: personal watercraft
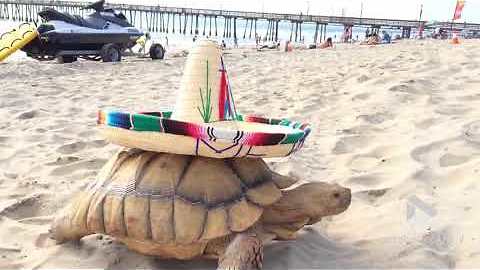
[103, 35]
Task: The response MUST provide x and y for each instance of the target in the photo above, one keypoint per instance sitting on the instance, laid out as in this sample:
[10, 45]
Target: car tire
[111, 53]
[66, 59]
[157, 51]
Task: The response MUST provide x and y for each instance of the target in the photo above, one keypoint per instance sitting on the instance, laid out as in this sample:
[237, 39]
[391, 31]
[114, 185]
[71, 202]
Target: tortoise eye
[336, 195]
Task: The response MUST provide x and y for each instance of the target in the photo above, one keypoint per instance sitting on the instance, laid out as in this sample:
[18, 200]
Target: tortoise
[182, 207]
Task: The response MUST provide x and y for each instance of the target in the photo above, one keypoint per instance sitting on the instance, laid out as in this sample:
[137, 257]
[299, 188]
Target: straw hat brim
[247, 136]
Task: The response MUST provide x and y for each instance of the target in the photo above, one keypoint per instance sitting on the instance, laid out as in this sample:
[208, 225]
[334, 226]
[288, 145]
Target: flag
[421, 28]
[459, 9]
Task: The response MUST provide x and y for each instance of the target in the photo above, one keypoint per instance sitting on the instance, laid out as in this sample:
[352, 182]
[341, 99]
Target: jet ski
[103, 35]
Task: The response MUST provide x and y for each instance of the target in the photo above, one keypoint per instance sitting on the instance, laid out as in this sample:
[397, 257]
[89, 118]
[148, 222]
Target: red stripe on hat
[223, 94]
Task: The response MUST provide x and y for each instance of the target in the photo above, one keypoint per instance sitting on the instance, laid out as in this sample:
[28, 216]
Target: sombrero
[204, 121]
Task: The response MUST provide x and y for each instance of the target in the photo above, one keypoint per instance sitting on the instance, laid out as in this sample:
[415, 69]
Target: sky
[440, 10]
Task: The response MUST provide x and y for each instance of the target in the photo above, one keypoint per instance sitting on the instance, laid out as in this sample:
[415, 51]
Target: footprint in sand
[468, 98]
[452, 160]
[362, 96]
[414, 86]
[372, 195]
[93, 165]
[436, 100]
[405, 98]
[471, 132]
[260, 101]
[27, 115]
[444, 240]
[358, 130]
[363, 163]
[14, 103]
[452, 109]
[4, 139]
[400, 88]
[27, 207]
[362, 182]
[446, 153]
[363, 78]
[10, 95]
[63, 160]
[425, 124]
[376, 118]
[71, 148]
[349, 144]
[75, 110]
[308, 107]
[87, 133]
[44, 240]
[264, 80]
[98, 143]
[427, 152]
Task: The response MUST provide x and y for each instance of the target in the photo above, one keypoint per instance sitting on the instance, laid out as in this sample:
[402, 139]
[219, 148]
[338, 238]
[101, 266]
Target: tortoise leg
[70, 224]
[62, 230]
[245, 252]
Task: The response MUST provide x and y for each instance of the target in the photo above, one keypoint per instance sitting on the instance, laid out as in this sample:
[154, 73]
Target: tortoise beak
[348, 198]
[344, 199]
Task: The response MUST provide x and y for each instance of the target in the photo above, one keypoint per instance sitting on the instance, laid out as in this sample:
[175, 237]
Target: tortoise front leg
[245, 252]
[71, 223]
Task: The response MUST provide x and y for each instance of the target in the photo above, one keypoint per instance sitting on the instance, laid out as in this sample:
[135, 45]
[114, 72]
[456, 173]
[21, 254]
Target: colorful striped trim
[161, 122]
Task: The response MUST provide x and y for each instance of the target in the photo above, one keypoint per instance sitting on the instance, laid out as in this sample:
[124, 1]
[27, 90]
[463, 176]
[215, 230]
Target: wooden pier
[454, 26]
[206, 22]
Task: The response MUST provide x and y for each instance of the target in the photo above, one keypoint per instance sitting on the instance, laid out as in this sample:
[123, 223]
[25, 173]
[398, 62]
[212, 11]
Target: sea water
[243, 30]
[176, 41]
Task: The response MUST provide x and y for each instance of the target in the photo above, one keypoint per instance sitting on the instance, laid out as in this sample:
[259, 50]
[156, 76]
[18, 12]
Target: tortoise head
[322, 199]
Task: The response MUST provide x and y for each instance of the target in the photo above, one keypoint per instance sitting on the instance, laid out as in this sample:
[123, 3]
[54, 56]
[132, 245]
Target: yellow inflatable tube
[16, 39]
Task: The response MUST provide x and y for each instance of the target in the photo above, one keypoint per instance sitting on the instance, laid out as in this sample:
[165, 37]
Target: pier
[449, 26]
[206, 22]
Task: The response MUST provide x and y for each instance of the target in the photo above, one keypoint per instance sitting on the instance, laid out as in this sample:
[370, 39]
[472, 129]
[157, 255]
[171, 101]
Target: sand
[398, 124]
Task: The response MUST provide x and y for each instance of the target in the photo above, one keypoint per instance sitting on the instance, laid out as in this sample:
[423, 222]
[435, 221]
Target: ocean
[177, 41]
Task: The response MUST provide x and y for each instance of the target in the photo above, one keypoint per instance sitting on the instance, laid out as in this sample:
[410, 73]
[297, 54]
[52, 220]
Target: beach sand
[398, 124]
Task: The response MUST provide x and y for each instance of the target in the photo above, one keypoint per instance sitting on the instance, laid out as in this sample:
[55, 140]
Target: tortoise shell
[174, 199]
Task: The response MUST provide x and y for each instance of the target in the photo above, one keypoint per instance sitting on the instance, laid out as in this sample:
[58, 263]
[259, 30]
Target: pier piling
[157, 18]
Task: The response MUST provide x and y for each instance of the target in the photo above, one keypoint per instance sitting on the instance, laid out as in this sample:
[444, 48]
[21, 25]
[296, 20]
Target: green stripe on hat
[143, 122]
[293, 138]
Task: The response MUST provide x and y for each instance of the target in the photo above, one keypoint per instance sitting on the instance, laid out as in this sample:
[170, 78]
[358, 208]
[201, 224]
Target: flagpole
[420, 25]
[458, 7]
[453, 18]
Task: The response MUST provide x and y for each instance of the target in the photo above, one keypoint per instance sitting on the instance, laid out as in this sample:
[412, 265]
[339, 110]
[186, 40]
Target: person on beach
[327, 44]
[372, 40]
[272, 46]
[386, 38]
[235, 42]
[142, 42]
[288, 46]
[224, 45]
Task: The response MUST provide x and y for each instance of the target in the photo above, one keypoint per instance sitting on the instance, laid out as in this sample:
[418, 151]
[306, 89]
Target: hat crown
[205, 95]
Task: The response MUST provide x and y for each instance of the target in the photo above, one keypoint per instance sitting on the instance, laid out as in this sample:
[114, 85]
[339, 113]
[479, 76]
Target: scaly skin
[303, 205]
